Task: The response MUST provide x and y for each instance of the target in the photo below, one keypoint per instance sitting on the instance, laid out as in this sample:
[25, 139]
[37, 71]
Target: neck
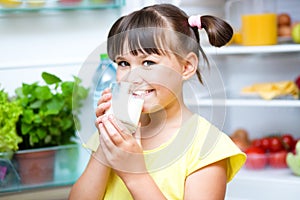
[158, 127]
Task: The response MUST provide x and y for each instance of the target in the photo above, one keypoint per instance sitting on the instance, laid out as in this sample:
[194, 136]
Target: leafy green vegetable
[50, 111]
[10, 111]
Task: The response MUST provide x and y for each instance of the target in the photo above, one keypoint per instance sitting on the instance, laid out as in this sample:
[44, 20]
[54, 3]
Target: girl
[174, 154]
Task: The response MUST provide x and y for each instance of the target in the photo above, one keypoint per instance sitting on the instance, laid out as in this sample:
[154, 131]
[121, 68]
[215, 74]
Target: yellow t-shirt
[197, 144]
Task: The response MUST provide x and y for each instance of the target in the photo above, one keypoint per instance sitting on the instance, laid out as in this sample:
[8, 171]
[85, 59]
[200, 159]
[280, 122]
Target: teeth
[140, 93]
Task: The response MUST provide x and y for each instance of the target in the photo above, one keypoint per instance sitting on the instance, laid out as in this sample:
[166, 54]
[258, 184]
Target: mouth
[142, 93]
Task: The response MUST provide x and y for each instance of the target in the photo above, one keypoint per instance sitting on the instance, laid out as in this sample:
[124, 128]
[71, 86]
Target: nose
[134, 75]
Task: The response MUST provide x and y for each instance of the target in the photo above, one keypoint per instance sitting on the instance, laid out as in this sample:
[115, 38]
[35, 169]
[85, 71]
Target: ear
[190, 66]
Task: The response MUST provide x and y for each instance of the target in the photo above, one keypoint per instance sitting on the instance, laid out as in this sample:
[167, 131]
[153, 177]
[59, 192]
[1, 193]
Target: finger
[121, 128]
[104, 137]
[112, 132]
[100, 110]
[106, 90]
[98, 121]
[103, 103]
[106, 96]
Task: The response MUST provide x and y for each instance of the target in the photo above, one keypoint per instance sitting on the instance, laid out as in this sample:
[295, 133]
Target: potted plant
[48, 121]
[10, 111]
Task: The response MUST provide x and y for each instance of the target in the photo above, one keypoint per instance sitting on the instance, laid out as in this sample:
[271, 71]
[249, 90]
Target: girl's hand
[122, 150]
[103, 103]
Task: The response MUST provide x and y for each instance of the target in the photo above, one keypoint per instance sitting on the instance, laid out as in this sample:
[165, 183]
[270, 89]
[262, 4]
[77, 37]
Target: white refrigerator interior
[60, 42]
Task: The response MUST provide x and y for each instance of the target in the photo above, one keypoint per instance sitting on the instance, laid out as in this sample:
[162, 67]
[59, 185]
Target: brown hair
[151, 30]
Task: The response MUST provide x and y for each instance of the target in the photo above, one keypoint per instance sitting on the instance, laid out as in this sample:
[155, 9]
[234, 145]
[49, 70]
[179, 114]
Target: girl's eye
[148, 63]
[123, 64]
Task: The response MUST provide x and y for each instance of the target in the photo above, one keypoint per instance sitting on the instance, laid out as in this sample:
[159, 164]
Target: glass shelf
[69, 163]
[245, 102]
[233, 99]
[236, 49]
[264, 184]
[7, 6]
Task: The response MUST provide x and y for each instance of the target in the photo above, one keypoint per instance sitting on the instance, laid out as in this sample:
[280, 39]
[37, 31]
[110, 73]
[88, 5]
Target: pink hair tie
[195, 21]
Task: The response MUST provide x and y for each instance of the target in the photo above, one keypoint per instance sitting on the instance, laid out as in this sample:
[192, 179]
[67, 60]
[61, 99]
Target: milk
[124, 106]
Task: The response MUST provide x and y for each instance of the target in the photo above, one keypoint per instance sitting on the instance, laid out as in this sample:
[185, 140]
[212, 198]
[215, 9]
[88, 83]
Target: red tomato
[256, 158]
[288, 142]
[297, 81]
[265, 143]
[278, 159]
[255, 150]
[257, 143]
[275, 144]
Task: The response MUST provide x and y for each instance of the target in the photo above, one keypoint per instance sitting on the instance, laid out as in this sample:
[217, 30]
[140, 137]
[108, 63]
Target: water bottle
[105, 75]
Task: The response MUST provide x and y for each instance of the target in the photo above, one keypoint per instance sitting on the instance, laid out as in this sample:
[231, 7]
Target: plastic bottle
[105, 75]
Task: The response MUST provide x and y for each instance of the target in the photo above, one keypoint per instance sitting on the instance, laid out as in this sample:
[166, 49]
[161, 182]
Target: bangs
[149, 32]
[140, 40]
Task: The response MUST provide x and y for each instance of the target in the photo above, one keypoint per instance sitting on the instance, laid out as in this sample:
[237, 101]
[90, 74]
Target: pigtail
[219, 32]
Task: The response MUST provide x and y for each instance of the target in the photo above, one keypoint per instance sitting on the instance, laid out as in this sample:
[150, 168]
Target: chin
[152, 108]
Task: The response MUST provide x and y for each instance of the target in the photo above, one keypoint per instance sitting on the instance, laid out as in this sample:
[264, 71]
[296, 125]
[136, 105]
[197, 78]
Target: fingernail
[108, 95]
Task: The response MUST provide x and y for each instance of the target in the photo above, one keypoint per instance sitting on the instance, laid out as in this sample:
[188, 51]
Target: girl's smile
[142, 93]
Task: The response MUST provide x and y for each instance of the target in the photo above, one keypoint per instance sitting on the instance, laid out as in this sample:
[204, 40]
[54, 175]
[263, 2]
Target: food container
[256, 161]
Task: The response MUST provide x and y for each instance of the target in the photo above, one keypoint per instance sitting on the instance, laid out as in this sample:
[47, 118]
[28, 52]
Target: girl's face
[155, 78]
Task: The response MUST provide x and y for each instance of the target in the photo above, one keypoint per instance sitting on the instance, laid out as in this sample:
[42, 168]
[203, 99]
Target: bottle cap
[104, 56]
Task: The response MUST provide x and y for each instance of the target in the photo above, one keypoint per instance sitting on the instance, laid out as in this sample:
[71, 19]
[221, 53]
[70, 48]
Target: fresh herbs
[50, 111]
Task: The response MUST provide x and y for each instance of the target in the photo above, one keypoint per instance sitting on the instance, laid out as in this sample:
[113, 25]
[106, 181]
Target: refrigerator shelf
[264, 184]
[236, 49]
[8, 6]
[244, 102]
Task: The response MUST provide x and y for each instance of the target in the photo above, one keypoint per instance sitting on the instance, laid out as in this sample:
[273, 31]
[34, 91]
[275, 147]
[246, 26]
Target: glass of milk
[125, 106]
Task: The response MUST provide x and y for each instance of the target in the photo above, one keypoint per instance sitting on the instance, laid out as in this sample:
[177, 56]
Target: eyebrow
[119, 57]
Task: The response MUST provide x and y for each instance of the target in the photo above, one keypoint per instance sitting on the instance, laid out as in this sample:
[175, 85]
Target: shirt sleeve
[214, 146]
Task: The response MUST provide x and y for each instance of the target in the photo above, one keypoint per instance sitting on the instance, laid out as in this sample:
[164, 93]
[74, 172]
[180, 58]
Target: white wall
[33, 42]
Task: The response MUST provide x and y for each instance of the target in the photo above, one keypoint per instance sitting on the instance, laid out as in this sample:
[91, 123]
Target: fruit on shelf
[276, 144]
[284, 23]
[270, 151]
[288, 141]
[265, 143]
[256, 158]
[296, 33]
[283, 19]
[35, 3]
[277, 159]
[70, 2]
[297, 81]
[10, 3]
[285, 31]
[241, 139]
[293, 160]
